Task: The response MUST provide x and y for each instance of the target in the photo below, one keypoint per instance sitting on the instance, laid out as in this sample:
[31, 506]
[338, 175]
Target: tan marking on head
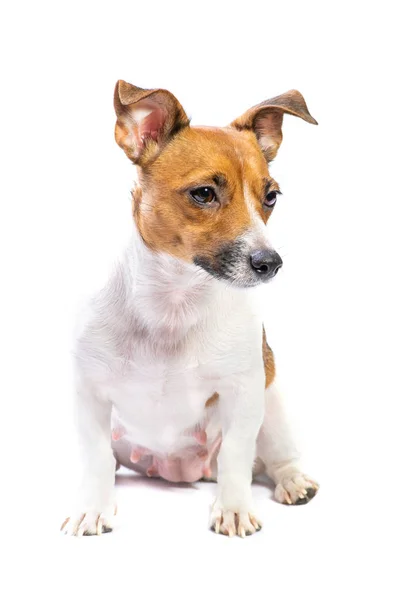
[269, 363]
[192, 159]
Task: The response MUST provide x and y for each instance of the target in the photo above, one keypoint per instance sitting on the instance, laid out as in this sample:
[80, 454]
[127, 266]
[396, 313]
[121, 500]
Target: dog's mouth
[235, 264]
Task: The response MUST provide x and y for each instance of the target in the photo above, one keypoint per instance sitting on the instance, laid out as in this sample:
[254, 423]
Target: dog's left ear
[266, 118]
[146, 120]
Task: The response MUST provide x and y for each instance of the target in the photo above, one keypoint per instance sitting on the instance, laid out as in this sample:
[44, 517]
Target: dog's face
[205, 194]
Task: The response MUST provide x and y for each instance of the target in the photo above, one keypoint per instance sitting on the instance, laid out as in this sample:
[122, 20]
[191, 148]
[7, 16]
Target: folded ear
[266, 118]
[146, 120]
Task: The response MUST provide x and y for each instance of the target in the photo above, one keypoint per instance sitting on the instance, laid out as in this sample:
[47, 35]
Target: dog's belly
[161, 424]
[187, 465]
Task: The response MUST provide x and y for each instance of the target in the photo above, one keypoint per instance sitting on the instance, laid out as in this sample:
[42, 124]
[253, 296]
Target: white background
[331, 315]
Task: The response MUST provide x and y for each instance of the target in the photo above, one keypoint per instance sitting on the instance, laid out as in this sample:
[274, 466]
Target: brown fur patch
[136, 194]
[222, 158]
[212, 400]
[269, 363]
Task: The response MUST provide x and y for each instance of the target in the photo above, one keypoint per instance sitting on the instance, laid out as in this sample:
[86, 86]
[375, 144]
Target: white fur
[258, 229]
[159, 340]
[257, 234]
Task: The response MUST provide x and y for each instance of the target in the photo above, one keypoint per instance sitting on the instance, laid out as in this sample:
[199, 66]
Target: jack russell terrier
[174, 376]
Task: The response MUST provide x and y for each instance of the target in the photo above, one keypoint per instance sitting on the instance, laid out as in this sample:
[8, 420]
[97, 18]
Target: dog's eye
[270, 199]
[203, 195]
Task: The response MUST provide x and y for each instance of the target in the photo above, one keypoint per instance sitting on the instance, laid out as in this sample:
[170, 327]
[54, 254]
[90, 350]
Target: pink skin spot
[207, 472]
[152, 470]
[117, 433]
[201, 437]
[138, 452]
[199, 434]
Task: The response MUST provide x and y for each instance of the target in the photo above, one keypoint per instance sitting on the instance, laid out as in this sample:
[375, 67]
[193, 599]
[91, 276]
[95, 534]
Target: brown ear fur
[146, 120]
[265, 120]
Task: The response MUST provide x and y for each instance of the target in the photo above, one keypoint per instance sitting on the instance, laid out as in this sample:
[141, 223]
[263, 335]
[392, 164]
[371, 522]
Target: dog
[174, 375]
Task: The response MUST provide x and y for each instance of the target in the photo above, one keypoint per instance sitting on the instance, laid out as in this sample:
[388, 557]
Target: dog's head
[205, 193]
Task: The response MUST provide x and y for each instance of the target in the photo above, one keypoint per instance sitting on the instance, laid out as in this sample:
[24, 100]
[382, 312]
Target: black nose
[266, 262]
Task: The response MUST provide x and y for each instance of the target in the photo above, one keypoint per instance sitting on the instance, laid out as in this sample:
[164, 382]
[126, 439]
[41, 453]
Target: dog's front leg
[241, 408]
[94, 510]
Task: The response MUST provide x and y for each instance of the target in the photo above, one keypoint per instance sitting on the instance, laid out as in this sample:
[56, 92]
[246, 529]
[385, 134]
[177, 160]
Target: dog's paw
[228, 522]
[296, 489]
[89, 523]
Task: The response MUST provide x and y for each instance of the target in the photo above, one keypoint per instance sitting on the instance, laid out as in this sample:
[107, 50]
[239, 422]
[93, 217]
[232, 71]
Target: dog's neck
[166, 295]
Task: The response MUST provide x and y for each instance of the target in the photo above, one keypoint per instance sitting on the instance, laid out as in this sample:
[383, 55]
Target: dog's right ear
[146, 120]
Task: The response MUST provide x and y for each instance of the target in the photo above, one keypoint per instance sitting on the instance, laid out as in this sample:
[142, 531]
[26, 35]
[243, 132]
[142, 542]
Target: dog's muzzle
[240, 266]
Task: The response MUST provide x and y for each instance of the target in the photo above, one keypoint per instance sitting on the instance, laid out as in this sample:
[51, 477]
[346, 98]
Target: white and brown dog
[174, 376]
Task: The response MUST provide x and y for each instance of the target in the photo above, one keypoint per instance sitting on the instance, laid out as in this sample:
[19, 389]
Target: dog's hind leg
[277, 452]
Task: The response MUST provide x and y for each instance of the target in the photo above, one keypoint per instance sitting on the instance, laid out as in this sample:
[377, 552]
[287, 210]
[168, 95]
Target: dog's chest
[159, 383]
